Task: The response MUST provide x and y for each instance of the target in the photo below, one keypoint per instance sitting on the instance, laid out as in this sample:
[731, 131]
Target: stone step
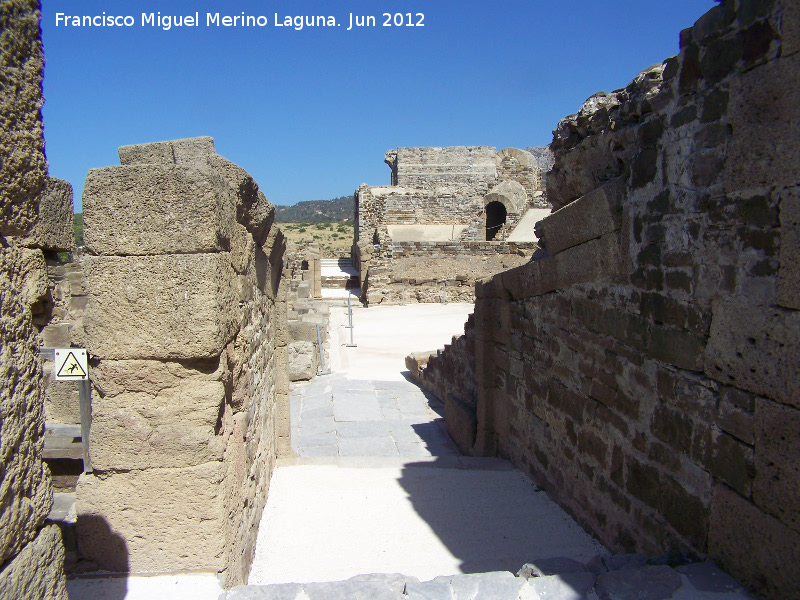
[62, 441]
[628, 577]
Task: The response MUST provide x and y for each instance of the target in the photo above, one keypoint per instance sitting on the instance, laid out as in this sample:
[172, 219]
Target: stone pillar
[314, 273]
[31, 553]
[186, 329]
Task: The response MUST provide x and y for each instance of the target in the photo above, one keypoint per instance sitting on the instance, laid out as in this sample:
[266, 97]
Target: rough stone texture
[789, 273]
[24, 168]
[36, 572]
[54, 228]
[124, 520]
[156, 209]
[642, 368]
[31, 556]
[165, 306]
[441, 187]
[190, 348]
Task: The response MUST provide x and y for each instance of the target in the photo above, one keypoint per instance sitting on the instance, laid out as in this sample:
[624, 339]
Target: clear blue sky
[310, 113]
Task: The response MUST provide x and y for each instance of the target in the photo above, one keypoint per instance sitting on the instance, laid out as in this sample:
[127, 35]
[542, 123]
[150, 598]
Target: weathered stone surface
[550, 566]
[597, 213]
[37, 572]
[24, 167]
[29, 272]
[185, 151]
[762, 552]
[127, 520]
[302, 365]
[62, 402]
[113, 377]
[756, 348]
[776, 487]
[789, 273]
[156, 209]
[26, 495]
[462, 423]
[174, 428]
[54, 227]
[171, 306]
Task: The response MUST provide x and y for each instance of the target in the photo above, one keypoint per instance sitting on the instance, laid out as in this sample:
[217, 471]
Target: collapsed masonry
[35, 222]
[186, 328]
[450, 216]
[646, 372]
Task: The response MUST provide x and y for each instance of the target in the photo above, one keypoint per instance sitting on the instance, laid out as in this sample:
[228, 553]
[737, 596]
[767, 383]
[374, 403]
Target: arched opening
[495, 219]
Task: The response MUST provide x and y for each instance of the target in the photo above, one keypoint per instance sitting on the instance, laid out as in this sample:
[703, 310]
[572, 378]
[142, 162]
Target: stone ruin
[642, 368]
[645, 369]
[449, 217]
[35, 223]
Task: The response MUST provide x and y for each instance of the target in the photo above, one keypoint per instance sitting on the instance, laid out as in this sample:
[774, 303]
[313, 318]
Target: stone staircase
[625, 577]
[338, 273]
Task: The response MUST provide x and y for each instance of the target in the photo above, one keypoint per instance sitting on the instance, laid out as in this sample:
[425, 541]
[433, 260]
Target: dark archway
[495, 219]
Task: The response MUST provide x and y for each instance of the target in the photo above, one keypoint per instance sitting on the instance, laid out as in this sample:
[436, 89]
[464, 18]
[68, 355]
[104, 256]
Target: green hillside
[317, 211]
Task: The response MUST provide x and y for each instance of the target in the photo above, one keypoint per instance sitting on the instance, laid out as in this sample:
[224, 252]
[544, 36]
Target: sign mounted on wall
[71, 364]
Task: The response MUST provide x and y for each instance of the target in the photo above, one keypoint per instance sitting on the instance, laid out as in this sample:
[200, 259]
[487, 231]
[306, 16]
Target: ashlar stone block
[187, 150]
[755, 348]
[54, 228]
[37, 572]
[173, 428]
[789, 272]
[156, 209]
[172, 306]
[153, 520]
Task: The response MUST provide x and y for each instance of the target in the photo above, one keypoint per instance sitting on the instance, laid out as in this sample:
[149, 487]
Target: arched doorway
[495, 219]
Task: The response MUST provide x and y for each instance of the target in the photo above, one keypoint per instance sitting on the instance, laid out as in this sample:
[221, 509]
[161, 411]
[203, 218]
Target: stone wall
[31, 552]
[186, 327]
[433, 188]
[644, 371]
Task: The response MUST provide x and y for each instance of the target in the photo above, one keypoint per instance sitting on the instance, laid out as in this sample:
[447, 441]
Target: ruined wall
[440, 194]
[186, 327]
[31, 553]
[645, 372]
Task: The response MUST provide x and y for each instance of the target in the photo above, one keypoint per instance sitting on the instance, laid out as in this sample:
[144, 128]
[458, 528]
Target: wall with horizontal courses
[646, 372]
[186, 326]
[31, 552]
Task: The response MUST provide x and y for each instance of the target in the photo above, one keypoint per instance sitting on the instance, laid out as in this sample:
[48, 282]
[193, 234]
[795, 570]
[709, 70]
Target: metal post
[350, 321]
[84, 396]
[404, 295]
[321, 355]
[444, 292]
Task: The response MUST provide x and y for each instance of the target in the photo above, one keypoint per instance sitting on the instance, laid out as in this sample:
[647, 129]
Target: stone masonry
[644, 369]
[438, 206]
[31, 551]
[186, 328]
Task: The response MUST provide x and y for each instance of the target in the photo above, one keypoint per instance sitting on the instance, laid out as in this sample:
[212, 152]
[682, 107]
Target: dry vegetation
[334, 239]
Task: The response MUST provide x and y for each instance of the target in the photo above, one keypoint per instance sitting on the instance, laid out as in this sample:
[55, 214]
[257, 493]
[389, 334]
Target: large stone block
[113, 377]
[37, 572]
[185, 151]
[762, 552]
[593, 215]
[62, 402]
[590, 261]
[462, 423]
[157, 209]
[24, 168]
[776, 487]
[175, 306]
[764, 115]
[173, 428]
[755, 348]
[25, 493]
[156, 520]
[54, 229]
[789, 272]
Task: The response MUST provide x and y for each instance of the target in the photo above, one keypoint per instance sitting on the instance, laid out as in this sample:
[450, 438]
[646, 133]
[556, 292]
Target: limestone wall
[31, 554]
[186, 326]
[645, 372]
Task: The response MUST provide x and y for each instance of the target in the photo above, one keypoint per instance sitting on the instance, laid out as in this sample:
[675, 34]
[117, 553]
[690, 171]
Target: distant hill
[317, 211]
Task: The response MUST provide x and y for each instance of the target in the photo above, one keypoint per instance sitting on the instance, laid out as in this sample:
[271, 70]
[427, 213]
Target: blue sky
[309, 113]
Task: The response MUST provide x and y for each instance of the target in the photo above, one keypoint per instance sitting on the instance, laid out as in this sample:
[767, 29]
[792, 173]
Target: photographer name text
[295, 22]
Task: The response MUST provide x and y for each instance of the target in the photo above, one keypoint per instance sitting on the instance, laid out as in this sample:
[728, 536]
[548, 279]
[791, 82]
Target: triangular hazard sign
[71, 368]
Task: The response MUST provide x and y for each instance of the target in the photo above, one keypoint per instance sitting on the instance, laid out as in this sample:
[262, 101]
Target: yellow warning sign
[71, 364]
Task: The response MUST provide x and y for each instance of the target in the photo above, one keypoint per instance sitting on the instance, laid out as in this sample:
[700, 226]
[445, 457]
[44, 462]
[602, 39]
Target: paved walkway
[379, 487]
